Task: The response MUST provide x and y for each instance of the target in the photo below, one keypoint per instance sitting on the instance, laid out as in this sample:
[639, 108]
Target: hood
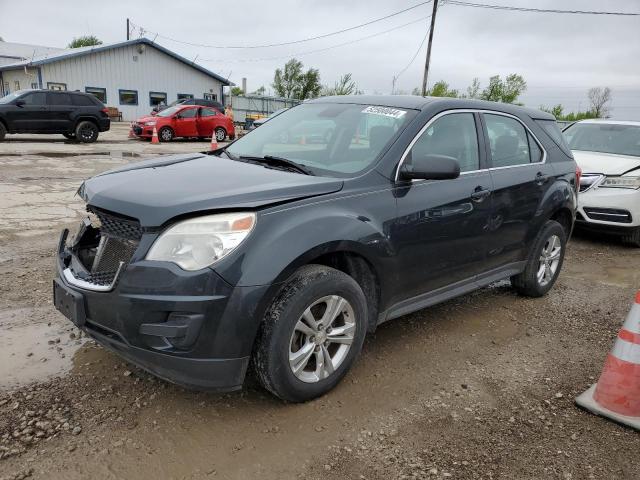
[157, 190]
[147, 118]
[605, 163]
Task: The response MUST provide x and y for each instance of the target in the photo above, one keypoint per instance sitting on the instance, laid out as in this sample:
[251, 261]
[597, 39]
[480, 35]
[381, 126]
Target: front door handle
[541, 178]
[479, 194]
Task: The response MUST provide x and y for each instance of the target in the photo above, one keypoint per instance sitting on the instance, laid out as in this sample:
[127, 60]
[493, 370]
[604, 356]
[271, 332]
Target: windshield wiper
[278, 162]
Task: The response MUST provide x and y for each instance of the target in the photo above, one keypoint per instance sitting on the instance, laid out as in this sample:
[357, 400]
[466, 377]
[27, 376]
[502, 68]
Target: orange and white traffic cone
[214, 142]
[617, 393]
[154, 137]
[131, 134]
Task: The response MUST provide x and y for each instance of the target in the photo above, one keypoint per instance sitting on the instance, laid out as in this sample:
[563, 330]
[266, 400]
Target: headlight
[149, 124]
[199, 242]
[621, 182]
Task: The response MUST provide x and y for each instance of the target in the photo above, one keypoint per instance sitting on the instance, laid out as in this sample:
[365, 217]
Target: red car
[186, 121]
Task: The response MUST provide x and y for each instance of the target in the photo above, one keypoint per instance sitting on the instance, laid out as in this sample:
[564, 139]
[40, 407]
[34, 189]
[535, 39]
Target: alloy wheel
[321, 338]
[549, 260]
[220, 135]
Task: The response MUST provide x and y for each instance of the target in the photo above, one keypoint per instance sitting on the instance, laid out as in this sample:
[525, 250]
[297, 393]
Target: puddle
[34, 352]
[116, 154]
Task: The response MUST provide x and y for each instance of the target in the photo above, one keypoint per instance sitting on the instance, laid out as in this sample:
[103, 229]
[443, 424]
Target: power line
[538, 10]
[303, 40]
[415, 55]
[300, 54]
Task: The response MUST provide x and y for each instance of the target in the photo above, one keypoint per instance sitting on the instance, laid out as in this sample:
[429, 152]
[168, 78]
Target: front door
[31, 115]
[521, 178]
[440, 236]
[186, 122]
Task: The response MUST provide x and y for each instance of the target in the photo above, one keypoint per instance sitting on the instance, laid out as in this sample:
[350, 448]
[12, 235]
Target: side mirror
[430, 167]
[19, 103]
[153, 113]
[178, 116]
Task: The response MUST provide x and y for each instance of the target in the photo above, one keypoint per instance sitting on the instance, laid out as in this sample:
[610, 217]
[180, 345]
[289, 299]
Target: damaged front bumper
[190, 328]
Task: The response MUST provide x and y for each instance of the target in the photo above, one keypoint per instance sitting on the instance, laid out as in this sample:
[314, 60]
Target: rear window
[82, 101]
[59, 98]
[552, 129]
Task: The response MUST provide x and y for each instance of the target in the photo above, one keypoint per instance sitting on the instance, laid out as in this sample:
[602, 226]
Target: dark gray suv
[280, 256]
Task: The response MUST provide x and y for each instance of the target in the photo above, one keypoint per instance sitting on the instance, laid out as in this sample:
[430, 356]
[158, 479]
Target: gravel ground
[482, 386]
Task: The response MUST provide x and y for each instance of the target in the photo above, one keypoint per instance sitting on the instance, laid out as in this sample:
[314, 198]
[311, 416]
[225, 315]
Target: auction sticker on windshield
[386, 111]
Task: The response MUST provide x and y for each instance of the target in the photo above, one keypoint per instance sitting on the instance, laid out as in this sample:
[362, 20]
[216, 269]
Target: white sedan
[608, 152]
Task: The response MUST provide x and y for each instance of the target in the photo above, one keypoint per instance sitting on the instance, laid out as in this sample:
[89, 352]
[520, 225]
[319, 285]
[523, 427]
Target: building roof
[57, 55]
[21, 51]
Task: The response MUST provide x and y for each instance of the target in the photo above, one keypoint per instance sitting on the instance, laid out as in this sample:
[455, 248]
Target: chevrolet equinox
[277, 254]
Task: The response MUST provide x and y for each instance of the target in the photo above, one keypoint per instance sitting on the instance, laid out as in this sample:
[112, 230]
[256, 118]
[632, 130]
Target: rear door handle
[541, 178]
[479, 194]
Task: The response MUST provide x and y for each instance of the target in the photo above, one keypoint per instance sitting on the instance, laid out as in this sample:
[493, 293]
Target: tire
[631, 239]
[166, 134]
[3, 131]
[285, 332]
[87, 132]
[544, 263]
[70, 136]
[221, 134]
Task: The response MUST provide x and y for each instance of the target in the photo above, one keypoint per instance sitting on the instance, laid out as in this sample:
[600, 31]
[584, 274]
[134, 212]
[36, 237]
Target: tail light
[578, 177]
[105, 110]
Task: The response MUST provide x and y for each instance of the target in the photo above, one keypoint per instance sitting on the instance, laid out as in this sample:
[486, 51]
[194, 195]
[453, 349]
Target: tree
[473, 91]
[558, 112]
[260, 91]
[291, 82]
[235, 91]
[344, 86]
[84, 41]
[599, 98]
[441, 89]
[506, 91]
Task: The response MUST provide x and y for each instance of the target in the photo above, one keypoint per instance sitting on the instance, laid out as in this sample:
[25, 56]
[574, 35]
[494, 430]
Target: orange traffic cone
[617, 393]
[214, 142]
[131, 134]
[154, 137]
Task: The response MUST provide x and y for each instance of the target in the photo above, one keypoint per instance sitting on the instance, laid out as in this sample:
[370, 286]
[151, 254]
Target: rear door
[521, 178]
[208, 120]
[60, 112]
[32, 115]
[440, 234]
[186, 122]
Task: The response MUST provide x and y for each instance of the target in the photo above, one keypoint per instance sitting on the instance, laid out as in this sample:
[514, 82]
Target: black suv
[76, 115]
[281, 256]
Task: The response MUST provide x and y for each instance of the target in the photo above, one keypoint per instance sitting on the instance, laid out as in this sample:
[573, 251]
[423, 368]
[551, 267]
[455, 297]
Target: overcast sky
[560, 56]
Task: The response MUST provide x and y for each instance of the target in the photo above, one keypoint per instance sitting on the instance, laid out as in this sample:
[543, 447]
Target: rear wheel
[87, 132]
[545, 262]
[165, 134]
[221, 134]
[311, 334]
[633, 238]
[3, 131]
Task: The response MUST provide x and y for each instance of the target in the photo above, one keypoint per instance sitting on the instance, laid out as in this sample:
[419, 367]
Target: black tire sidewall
[3, 132]
[85, 124]
[305, 288]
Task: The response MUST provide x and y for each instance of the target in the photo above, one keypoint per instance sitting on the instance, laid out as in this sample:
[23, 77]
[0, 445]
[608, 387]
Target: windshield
[328, 138]
[12, 96]
[168, 112]
[604, 137]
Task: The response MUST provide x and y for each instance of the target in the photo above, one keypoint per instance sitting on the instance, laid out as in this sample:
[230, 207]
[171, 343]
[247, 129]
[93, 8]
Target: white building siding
[25, 80]
[125, 68]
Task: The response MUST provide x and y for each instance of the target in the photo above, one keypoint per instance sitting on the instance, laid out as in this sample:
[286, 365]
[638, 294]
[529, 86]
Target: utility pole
[426, 63]
[128, 29]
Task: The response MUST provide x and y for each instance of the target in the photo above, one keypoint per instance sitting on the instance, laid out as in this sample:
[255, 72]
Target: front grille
[137, 129]
[115, 226]
[608, 214]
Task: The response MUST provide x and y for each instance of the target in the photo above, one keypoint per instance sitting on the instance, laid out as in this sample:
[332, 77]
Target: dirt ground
[482, 386]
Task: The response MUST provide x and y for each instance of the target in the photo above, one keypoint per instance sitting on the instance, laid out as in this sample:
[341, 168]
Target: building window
[99, 93]
[7, 90]
[16, 85]
[34, 86]
[157, 98]
[182, 96]
[128, 97]
[210, 96]
[56, 86]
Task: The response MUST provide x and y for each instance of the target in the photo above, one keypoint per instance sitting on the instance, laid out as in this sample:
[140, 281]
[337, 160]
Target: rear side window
[552, 129]
[207, 112]
[453, 135]
[82, 101]
[509, 141]
[59, 99]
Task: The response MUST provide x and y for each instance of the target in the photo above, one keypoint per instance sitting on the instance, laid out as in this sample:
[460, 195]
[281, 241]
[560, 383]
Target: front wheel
[311, 334]
[165, 134]
[87, 132]
[545, 262]
[632, 238]
[221, 134]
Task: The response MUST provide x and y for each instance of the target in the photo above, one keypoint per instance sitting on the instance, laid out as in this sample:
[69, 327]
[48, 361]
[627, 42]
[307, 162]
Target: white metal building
[132, 76]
